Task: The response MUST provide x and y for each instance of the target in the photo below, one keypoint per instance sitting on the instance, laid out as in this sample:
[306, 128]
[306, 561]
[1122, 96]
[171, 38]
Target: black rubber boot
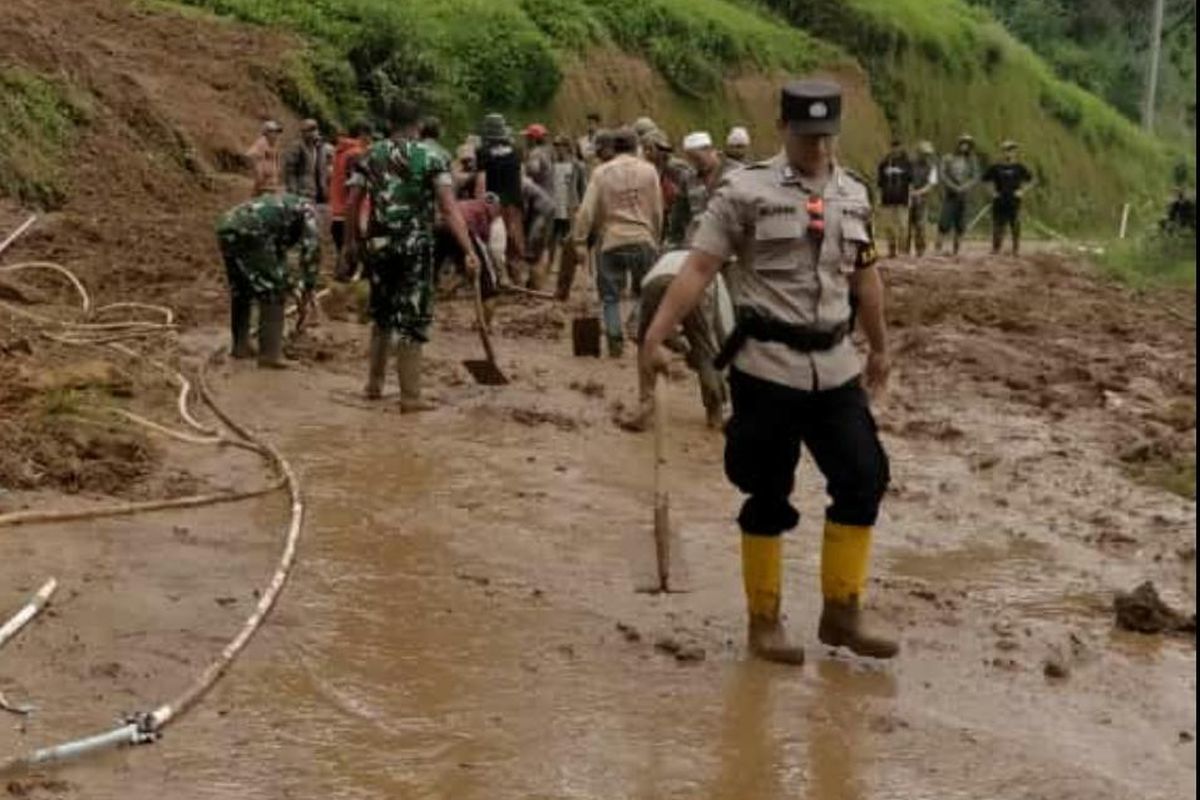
[239, 325]
[377, 357]
[270, 332]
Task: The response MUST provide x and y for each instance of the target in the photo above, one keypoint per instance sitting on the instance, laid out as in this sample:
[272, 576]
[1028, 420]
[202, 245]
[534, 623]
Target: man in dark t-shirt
[1010, 179]
[500, 173]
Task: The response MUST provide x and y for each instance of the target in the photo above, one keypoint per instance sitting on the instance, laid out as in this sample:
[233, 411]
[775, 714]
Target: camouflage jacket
[261, 231]
[401, 179]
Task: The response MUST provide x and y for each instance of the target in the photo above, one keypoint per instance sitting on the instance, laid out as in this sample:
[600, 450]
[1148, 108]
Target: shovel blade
[585, 336]
[485, 373]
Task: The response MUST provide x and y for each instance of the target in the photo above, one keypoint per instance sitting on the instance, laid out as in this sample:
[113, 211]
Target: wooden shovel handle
[483, 336]
[662, 503]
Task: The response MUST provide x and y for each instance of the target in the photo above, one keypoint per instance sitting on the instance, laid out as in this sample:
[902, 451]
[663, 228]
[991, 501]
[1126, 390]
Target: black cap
[811, 106]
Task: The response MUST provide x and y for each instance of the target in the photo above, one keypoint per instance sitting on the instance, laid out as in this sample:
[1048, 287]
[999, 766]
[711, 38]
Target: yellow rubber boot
[844, 557]
[762, 574]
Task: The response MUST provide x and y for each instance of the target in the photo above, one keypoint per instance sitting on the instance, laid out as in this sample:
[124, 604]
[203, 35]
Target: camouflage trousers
[254, 269]
[402, 287]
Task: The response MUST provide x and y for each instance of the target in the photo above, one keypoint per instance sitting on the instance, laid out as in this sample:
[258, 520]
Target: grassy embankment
[38, 122]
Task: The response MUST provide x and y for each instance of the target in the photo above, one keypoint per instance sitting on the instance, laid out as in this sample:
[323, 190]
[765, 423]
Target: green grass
[939, 67]
[1153, 259]
[464, 57]
[38, 122]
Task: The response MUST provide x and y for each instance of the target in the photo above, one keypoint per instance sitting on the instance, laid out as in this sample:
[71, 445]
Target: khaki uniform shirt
[758, 216]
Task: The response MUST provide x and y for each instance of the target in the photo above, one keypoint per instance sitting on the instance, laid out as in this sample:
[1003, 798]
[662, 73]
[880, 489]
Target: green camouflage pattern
[255, 238]
[401, 181]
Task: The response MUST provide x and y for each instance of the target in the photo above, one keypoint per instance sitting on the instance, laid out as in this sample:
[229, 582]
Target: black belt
[753, 324]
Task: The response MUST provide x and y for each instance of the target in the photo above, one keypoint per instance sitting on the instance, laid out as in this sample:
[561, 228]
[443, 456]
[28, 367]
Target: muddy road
[462, 622]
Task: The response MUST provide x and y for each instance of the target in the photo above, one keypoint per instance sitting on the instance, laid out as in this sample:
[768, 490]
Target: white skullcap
[738, 136]
[697, 140]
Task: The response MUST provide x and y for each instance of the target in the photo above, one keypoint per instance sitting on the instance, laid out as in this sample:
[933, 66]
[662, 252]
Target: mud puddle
[462, 622]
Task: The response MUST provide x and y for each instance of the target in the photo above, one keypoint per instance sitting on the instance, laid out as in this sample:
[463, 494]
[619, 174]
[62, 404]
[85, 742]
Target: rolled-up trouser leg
[762, 449]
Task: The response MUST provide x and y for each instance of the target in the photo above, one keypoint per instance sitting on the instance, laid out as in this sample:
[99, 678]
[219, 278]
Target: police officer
[799, 226]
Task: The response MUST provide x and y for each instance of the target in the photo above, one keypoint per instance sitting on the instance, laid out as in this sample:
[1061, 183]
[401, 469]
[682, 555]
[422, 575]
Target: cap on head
[624, 140]
[925, 148]
[537, 132]
[309, 126]
[656, 138]
[966, 138]
[562, 140]
[493, 127]
[465, 152]
[697, 140]
[271, 126]
[738, 137]
[643, 125]
[1008, 145]
[812, 107]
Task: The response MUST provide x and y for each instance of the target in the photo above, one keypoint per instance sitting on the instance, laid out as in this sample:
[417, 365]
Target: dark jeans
[762, 449]
[616, 267]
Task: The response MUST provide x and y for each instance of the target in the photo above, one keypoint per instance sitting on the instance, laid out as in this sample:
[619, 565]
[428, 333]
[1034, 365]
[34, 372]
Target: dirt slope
[173, 99]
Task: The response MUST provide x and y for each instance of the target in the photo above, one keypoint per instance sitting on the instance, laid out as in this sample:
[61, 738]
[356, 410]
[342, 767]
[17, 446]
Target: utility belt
[754, 324]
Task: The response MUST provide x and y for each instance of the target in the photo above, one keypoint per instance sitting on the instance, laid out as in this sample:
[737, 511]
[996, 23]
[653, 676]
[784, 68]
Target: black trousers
[1006, 213]
[763, 439]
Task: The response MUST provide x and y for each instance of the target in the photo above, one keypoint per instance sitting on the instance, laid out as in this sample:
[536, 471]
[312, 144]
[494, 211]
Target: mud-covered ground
[462, 621]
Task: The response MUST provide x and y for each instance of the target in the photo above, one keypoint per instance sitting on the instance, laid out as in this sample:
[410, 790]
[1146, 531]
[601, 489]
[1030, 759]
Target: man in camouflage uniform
[407, 182]
[254, 238]
[799, 225]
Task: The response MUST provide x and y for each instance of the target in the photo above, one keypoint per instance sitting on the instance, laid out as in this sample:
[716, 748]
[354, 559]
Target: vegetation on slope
[468, 55]
[939, 67]
[38, 120]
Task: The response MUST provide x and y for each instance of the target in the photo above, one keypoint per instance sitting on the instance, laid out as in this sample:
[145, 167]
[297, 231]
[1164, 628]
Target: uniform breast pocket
[777, 244]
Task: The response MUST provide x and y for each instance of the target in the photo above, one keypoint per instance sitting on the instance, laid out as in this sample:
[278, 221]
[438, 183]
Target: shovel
[585, 330]
[670, 573]
[485, 372]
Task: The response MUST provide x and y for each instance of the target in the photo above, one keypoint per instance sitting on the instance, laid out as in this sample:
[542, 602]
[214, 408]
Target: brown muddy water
[451, 629]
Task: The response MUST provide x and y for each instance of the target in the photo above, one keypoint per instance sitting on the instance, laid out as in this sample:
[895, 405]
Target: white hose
[12, 237]
[28, 612]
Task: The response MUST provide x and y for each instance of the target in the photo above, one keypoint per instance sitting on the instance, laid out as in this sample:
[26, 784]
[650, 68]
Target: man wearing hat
[799, 226]
[305, 170]
[264, 160]
[672, 172]
[706, 168]
[500, 173]
[894, 178]
[960, 174]
[1010, 179]
[924, 179]
[737, 146]
[539, 157]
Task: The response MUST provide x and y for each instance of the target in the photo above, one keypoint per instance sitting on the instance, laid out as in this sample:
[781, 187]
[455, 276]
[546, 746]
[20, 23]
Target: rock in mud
[630, 633]
[1143, 611]
[684, 652]
[533, 417]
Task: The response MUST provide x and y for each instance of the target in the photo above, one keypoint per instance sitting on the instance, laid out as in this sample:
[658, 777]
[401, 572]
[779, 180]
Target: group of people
[906, 185]
[757, 270]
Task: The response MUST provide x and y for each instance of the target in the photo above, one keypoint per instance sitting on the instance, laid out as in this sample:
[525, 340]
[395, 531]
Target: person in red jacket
[479, 214]
[349, 148]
